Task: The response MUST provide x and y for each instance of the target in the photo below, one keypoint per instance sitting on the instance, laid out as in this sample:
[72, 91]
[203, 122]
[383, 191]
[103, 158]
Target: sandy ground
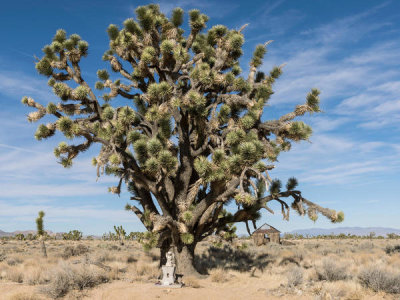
[234, 290]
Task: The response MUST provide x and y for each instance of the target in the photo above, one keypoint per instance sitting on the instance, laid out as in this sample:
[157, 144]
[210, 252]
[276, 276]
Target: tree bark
[184, 256]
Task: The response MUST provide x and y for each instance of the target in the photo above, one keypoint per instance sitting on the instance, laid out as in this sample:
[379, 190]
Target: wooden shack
[265, 234]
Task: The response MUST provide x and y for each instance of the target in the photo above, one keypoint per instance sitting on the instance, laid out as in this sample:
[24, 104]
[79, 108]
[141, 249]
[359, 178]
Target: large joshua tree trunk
[184, 256]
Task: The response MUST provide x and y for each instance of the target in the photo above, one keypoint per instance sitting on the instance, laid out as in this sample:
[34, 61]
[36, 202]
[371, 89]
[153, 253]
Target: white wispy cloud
[358, 81]
[17, 84]
[58, 213]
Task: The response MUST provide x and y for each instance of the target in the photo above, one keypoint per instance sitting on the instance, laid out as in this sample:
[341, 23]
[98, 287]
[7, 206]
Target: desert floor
[309, 269]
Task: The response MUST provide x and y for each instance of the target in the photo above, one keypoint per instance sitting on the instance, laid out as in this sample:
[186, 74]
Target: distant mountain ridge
[24, 232]
[360, 231]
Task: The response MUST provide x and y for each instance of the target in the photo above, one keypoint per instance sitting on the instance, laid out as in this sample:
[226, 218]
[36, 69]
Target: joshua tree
[41, 232]
[121, 233]
[191, 137]
[73, 235]
[19, 237]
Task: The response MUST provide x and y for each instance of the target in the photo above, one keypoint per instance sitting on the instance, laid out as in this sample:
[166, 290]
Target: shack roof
[265, 229]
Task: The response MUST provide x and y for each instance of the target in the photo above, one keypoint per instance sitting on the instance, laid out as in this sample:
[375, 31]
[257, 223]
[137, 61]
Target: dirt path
[253, 290]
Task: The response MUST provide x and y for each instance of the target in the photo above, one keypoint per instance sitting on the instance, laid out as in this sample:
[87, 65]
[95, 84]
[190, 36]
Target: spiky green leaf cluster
[258, 55]
[244, 198]
[313, 100]
[187, 238]
[291, 183]
[299, 131]
[275, 187]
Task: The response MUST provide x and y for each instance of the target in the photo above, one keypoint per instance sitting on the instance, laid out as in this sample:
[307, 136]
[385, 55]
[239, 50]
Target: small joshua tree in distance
[40, 232]
[121, 233]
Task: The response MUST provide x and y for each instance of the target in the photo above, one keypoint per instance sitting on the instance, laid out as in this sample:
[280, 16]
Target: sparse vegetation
[332, 270]
[77, 269]
[379, 278]
[295, 276]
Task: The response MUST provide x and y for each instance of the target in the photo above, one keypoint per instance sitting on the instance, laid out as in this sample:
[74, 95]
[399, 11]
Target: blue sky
[348, 49]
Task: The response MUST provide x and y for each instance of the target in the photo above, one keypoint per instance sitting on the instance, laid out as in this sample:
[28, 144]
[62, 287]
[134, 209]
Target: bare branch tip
[268, 42]
[243, 27]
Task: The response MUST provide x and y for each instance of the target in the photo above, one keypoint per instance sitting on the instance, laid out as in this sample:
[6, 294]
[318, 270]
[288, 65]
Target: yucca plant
[190, 138]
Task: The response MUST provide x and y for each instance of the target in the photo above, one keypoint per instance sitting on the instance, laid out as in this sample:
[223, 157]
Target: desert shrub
[60, 283]
[311, 246]
[392, 249]
[74, 251]
[2, 256]
[295, 276]
[380, 279]
[104, 257]
[68, 252]
[288, 260]
[324, 251]
[13, 261]
[81, 249]
[131, 259]
[332, 270]
[68, 278]
[366, 246]
[219, 275]
[88, 277]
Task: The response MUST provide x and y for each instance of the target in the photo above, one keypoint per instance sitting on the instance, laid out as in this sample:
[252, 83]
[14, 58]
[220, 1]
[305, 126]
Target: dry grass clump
[143, 270]
[331, 270]
[25, 296]
[69, 277]
[2, 256]
[14, 260]
[15, 275]
[348, 290]
[105, 257]
[295, 276]
[36, 276]
[379, 279]
[191, 281]
[131, 259]
[219, 275]
[366, 246]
